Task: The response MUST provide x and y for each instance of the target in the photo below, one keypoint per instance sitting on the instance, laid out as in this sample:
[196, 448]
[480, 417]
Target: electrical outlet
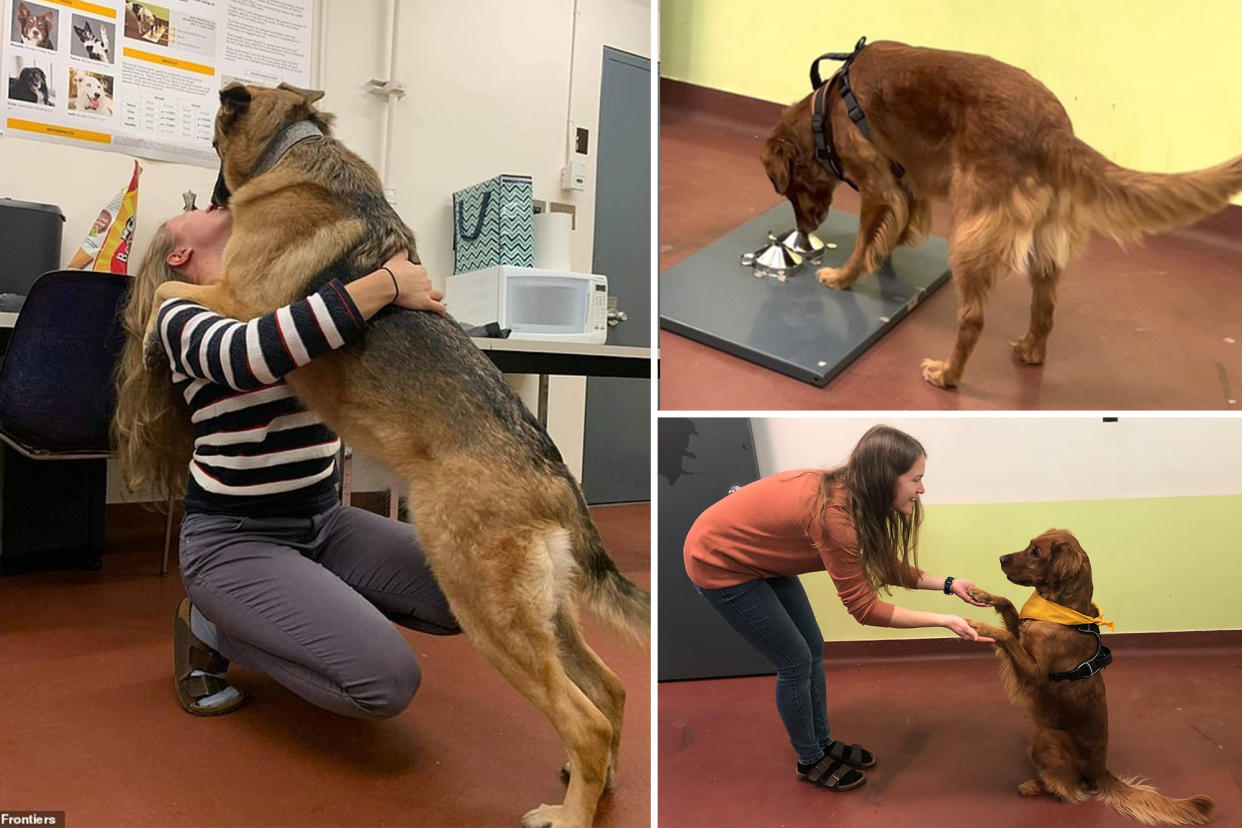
[573, 175]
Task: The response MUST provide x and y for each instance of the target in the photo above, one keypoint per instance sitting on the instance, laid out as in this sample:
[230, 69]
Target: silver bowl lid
[774, 260]
[808, 245]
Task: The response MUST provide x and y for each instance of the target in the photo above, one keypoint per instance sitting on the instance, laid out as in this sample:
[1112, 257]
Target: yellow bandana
[1041, 609]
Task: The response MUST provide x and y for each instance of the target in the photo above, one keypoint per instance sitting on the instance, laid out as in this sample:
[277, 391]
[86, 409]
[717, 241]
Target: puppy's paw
[938, 374]
[834, 278]
[1029, 350]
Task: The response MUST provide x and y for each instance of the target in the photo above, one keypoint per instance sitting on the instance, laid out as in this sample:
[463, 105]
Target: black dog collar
[283, 141]
[1102, 658]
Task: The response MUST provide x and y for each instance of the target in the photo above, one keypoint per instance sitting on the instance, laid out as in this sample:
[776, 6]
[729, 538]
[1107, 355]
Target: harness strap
[821, 122]
[1101, 659]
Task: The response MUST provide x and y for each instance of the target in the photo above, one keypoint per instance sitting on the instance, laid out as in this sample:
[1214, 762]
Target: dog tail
[1144, 803]
[603, 589]
[1127, 205]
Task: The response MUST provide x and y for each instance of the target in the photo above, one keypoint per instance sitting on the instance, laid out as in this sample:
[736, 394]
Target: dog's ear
[234, 100]
[777, 160]
[310, 96]
[1067, 559]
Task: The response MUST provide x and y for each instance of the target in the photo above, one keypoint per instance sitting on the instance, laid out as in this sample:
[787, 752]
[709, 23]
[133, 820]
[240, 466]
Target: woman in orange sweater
[859, 522]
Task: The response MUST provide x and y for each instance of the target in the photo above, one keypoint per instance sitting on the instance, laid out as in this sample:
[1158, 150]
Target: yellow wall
[1160, 564]
[1152, 85]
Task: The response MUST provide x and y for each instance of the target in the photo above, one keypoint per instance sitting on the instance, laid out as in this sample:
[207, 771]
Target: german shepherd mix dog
[1041, 668]
[998, 146]
[505, 526]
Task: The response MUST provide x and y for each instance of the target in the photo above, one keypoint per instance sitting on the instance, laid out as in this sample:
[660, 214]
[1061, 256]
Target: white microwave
[532, 302]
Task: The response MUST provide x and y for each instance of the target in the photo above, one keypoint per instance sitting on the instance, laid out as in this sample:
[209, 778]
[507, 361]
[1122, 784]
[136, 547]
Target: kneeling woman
[281, 577]
[859, 522]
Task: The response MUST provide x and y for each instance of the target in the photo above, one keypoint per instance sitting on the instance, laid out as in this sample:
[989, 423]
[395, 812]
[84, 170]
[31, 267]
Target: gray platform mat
[798, 327]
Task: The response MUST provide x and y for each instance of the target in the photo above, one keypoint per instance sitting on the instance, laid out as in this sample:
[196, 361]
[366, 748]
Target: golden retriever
[1071, 716]
[999, 147]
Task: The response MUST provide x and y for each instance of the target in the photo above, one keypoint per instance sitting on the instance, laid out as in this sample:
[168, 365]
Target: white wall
[487, 92]
[972, 460]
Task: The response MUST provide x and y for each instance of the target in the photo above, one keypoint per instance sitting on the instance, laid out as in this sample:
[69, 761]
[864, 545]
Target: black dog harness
[821, 123]
[1102, 658]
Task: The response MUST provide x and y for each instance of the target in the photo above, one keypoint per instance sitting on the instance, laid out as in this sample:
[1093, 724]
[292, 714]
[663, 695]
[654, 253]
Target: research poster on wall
[140, 78]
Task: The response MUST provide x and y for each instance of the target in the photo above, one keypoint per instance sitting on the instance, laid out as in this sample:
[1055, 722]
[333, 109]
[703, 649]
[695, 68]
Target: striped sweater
[258, 452]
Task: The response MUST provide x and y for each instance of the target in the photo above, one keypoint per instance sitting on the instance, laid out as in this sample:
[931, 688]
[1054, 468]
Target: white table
[525, 356]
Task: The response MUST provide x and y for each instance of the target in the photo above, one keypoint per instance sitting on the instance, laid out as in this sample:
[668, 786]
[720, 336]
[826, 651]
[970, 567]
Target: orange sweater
[760, 531]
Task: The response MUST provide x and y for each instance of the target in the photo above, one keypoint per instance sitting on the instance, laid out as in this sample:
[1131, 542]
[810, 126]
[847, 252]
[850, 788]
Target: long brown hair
[151, 427]
[887, 539]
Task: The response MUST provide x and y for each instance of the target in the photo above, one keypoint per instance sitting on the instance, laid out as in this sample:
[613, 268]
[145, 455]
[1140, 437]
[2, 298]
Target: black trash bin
[30, 237]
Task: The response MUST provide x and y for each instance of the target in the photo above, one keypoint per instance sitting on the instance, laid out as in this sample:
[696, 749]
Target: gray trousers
[308, 601]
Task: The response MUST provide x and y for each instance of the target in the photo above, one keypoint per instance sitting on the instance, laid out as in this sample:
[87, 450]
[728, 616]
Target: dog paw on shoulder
[153, 353]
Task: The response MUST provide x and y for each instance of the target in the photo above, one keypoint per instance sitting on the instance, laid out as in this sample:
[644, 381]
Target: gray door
[616, 465]
[697, 461]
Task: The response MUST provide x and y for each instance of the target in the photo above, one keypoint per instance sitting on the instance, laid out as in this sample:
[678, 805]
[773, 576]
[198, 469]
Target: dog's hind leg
[506, 602]
[1056, 761]
[593, 677]
[1056, 241]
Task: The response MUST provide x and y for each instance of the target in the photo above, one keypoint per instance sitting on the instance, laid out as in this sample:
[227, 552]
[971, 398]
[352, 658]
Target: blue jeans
[775, 617]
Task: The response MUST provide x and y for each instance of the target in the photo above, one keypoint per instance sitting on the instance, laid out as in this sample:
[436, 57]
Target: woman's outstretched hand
[962, 629]
[960, 588]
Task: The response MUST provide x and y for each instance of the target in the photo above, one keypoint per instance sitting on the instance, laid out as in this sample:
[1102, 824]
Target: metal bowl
[774, 260]
[807, 245]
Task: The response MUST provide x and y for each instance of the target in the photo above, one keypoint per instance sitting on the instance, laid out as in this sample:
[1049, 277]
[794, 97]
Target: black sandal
[856, 756]
[833, 775]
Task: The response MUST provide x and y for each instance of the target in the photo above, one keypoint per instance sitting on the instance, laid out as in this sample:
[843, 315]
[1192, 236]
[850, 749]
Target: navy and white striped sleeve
[247, 355]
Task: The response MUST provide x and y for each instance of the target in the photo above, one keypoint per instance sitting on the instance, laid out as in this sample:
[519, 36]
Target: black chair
[56, 403]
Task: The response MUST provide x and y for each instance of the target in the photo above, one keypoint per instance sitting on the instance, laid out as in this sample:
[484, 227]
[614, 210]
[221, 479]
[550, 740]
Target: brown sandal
[190, 654]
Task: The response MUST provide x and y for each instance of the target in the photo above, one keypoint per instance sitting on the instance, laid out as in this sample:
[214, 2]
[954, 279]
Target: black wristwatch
[948, 585]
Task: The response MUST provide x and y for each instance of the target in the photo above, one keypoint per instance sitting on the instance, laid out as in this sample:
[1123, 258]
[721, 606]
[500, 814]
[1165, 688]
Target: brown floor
[89, 723]
[1155, 328]
[950, 749]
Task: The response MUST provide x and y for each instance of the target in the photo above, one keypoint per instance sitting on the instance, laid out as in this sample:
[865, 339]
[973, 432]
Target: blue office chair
[56, 384]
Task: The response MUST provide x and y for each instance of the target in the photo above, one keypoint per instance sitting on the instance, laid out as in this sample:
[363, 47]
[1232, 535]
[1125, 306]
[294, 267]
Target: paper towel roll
[552, 240]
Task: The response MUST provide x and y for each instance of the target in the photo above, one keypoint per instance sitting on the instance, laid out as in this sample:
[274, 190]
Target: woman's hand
[413, 286]
[960, 588]
[962, 629]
